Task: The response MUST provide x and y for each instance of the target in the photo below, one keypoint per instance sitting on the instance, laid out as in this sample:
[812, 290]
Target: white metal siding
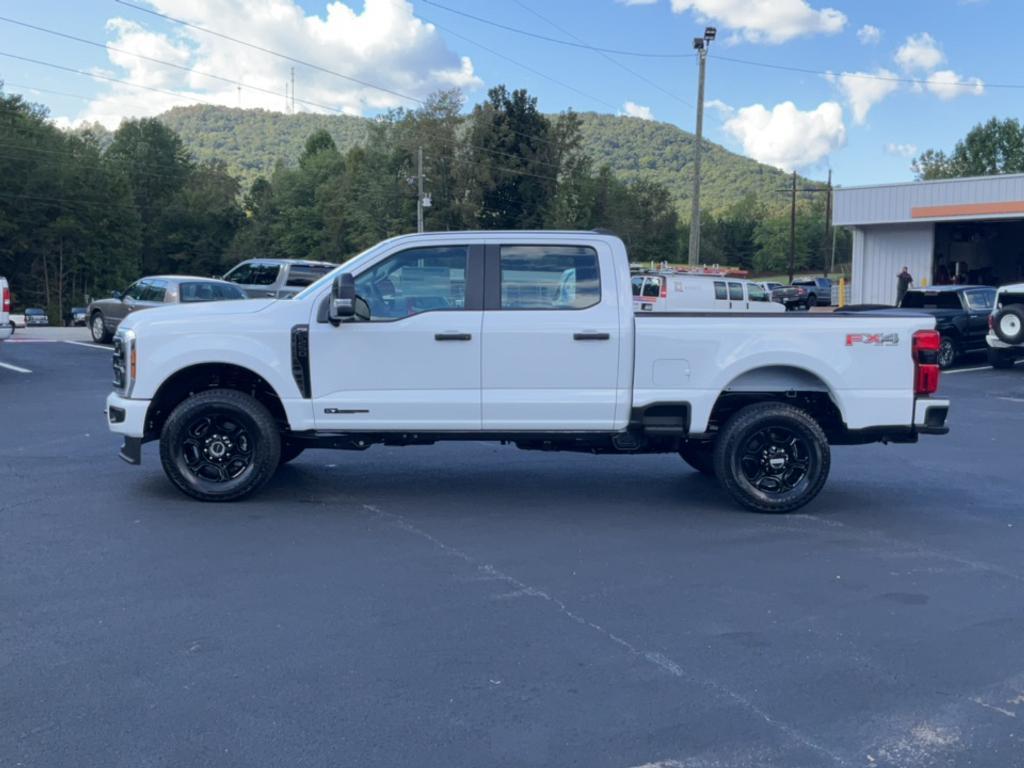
[892, 203]
[879, 253]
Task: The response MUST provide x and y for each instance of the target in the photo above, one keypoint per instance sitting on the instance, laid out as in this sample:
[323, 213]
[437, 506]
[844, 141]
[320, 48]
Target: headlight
[125, 361]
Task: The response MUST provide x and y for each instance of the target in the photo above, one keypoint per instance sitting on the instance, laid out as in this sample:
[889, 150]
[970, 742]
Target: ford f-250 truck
[526, 338]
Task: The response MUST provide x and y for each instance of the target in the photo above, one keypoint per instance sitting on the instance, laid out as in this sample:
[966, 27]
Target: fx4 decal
[874, 339]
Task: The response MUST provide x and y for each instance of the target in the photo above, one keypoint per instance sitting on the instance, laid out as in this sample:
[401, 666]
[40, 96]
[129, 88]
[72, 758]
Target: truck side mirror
[343, 298]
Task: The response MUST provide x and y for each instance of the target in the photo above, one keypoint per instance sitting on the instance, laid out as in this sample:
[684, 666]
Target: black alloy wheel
[220, 445]
[947, 353]
[772, 457]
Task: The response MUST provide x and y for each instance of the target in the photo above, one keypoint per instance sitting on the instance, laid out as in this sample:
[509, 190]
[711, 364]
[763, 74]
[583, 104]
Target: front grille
[120, 367]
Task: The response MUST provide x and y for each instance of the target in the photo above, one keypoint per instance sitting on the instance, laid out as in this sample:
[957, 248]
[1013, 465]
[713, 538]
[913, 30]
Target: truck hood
[197, 314]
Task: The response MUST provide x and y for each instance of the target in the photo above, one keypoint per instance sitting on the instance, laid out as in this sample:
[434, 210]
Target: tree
[994, 147]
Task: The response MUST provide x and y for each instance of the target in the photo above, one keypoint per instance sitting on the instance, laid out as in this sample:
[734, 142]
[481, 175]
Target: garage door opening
[979, 253]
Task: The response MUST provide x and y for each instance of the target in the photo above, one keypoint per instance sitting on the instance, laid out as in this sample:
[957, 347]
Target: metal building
[967, 230]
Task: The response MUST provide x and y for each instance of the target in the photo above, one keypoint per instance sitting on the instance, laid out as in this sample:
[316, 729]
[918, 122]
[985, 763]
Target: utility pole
[419, 190]
[792, 230]
[828, 225]
[293, 90]
[701, 45]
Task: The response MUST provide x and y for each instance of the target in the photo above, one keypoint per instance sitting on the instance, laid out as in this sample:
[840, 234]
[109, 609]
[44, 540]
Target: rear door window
[720, 292]
[550, 277]
[735, 291]
[301, 275]
[199, 291]
[637, 283]
[254, 274]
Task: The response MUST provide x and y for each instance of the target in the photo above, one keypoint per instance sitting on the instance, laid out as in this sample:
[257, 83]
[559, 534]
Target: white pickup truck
[527, 338]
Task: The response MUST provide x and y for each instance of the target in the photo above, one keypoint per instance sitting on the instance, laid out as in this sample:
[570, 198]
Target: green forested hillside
[252, 141]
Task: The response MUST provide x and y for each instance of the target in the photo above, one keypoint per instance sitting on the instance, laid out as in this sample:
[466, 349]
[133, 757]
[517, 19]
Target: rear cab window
[936, 300]
[552, 277]
[254, 274]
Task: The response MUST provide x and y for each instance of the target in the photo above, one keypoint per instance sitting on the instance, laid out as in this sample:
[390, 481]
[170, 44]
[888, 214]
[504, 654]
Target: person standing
[903, 282]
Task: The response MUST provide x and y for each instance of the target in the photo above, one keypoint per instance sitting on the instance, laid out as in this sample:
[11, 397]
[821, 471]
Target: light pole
[701, 45]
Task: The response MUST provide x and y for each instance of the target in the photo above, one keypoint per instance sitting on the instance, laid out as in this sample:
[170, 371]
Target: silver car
[277, 278]
[106, 314]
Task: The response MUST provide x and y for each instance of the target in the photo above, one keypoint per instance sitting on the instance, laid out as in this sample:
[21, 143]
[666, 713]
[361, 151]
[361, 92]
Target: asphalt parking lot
[474, 605]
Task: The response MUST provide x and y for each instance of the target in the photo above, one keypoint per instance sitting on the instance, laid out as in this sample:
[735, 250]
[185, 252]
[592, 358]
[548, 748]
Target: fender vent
[300, 359]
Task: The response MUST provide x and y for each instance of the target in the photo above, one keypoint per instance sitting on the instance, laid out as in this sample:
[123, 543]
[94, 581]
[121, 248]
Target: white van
[681, 292]
[6, 326]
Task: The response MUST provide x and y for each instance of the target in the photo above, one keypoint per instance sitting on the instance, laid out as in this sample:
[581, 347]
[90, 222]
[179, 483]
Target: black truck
[961, 315]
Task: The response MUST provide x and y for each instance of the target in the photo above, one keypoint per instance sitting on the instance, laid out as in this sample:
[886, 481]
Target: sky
[856, 86]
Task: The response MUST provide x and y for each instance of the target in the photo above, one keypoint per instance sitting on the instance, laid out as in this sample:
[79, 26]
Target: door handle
[453, 336]
[591, 336]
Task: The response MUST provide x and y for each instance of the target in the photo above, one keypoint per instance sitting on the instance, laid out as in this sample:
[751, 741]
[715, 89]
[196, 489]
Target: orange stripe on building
[967, 209]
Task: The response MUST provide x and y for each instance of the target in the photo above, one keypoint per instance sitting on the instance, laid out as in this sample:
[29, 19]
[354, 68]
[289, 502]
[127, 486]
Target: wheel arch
[198, 377]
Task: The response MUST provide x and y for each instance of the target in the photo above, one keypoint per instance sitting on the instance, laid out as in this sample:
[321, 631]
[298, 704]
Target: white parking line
[88, 345]
[979, 368]
[10, 367]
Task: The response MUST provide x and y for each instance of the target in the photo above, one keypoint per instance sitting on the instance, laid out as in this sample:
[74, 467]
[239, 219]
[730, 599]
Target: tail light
[7, 300]
[664, 288]
[991, 323]
[925, 349]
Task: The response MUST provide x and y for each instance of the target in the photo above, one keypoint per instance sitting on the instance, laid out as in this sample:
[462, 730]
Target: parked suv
[106, 314]
[1006, 327]
[277, 278]
[819, 290]
[36, 316]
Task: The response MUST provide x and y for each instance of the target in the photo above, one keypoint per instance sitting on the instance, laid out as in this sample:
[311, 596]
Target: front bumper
[930, 416]
[127, 417]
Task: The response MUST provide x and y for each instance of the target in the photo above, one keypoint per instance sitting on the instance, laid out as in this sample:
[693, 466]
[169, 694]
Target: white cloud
[787, 137]
[632, 109]
[906, 151]
[919, 52]
[947, 85]
[863, 90]
[766, 21]
[869, 34]
[384, 44]
[720, 107]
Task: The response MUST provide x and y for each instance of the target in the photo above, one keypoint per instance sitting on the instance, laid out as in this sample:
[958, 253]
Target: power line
[570, 43]
[604, 55]
[528, 68]
[865, 76]
[297, 61]
[98, 76]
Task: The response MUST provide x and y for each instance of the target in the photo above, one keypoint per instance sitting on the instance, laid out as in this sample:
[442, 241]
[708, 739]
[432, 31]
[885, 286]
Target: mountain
[251, 141]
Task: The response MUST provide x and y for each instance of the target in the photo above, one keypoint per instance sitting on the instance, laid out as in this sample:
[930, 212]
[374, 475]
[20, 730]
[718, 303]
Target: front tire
[98, 329]
[700, 456]
[772, 457]
[220, 445]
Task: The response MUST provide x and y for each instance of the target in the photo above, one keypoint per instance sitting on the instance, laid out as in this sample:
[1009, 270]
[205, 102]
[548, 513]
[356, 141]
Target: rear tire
[98, 329]
[700, 456]
[220, 445]
[772, 457]
[947, 353]
[1000, 358]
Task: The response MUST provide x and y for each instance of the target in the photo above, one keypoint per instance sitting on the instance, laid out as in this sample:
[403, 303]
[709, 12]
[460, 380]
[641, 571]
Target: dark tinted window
[637, 284]
[34, 312]
[414, 281]
[155, 290]
[301, 275]
[189, 292]
[254, 274]
[938, 300]
[720, 290]
[756, 292]
[981, 299]
[549, 277]
[736, 291]
[136, 290]
[652, 287]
